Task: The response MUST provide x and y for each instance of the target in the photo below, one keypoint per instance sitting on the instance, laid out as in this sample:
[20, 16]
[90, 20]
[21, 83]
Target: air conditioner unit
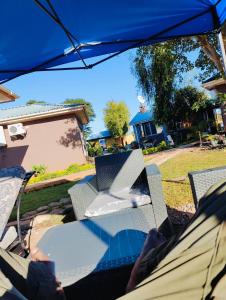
[16, 129]
[2, 137]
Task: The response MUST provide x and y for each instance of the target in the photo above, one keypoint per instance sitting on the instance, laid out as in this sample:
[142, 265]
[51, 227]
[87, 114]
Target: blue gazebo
[43, 35]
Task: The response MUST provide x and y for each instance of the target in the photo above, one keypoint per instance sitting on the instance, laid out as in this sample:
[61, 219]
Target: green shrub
[99, 150]
[91, 151]
[85, 167]
[74, 168]
[145, 151]
[209, 138]
[94, 149]
[113, 149]
[162, 146]
[152, 150]
[39, 169]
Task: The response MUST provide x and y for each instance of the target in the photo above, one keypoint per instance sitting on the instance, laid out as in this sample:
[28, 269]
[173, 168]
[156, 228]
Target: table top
[92, 245]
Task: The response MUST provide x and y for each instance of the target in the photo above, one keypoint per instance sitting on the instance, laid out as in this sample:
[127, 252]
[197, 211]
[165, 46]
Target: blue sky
[110, 80]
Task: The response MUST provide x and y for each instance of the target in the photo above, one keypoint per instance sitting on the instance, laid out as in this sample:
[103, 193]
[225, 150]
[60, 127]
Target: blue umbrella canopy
[38, 35]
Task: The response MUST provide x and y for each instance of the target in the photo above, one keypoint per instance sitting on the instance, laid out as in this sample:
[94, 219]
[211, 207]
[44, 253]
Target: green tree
[209, 59]
[30, 102]
[159, 69]
[156, 69]
[187, 100]
[89, 109]
[116, 118]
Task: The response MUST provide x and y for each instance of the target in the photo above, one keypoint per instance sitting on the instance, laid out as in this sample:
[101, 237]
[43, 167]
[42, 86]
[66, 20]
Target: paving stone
[29, 214]
[42, 208]
[53, 204]
[65, 201]
[68, 206]
[24, 224]
[43, 212]
[13, 223]
[57, 211]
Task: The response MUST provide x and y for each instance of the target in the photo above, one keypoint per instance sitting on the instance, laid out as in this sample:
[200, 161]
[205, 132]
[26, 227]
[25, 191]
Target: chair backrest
[11, 180]
[201, 181]
[118, 171]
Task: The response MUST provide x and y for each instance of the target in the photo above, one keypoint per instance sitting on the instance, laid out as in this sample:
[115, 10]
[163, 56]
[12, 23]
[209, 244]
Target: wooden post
[222, 49]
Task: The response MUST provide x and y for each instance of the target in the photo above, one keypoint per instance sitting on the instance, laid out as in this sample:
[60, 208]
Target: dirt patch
[39, 225]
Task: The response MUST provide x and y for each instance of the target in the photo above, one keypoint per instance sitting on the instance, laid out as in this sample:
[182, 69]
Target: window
[153, 128]
[138, 131]
[147, 128]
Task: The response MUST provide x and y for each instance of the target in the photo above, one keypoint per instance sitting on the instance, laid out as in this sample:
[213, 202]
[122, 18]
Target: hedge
[162, 146]
[74, 168]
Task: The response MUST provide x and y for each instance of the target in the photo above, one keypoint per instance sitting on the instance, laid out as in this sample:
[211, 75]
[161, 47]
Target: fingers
[38, 255]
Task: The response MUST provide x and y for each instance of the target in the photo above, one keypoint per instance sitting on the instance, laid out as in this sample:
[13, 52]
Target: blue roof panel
[141, 117]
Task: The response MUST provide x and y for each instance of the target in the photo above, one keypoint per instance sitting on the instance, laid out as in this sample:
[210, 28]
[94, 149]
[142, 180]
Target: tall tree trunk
[200, 139]
[122, 141]
[211, 52]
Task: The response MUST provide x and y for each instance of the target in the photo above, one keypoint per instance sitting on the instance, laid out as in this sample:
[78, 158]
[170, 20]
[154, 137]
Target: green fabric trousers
[22, 279]
[13, 271]
[192, 265]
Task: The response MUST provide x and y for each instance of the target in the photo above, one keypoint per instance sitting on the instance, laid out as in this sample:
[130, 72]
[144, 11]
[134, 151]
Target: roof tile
[141, 117]
[28, 110]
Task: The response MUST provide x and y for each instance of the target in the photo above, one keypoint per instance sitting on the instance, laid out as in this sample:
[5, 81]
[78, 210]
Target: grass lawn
[36, 199]
[178, 194]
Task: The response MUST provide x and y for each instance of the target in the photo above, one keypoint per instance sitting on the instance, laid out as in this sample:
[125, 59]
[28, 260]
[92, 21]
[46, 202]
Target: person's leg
[8, 291]
[15, 268]
[153, 240]
[186, 268]
[34, 278]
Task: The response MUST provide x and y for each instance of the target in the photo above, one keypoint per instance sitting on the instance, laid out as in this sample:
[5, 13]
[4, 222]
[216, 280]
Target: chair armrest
[201, 181]
[82, 194]
[8, 238]
[156, 192]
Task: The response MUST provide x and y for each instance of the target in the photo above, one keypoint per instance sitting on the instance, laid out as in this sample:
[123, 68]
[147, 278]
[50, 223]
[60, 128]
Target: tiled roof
[31, 110]
[101, 135]
[141, 117]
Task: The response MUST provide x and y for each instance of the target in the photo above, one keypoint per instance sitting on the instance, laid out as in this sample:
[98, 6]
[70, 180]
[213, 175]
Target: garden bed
[72, 169]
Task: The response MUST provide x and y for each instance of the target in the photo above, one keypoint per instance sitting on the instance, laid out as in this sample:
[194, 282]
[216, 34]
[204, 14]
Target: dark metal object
[27, 177]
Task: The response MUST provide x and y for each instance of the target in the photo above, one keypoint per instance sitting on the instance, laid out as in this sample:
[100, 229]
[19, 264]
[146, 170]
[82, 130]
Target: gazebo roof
[45, 34]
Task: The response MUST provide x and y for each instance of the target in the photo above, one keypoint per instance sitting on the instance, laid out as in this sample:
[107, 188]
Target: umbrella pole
[222, 49]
